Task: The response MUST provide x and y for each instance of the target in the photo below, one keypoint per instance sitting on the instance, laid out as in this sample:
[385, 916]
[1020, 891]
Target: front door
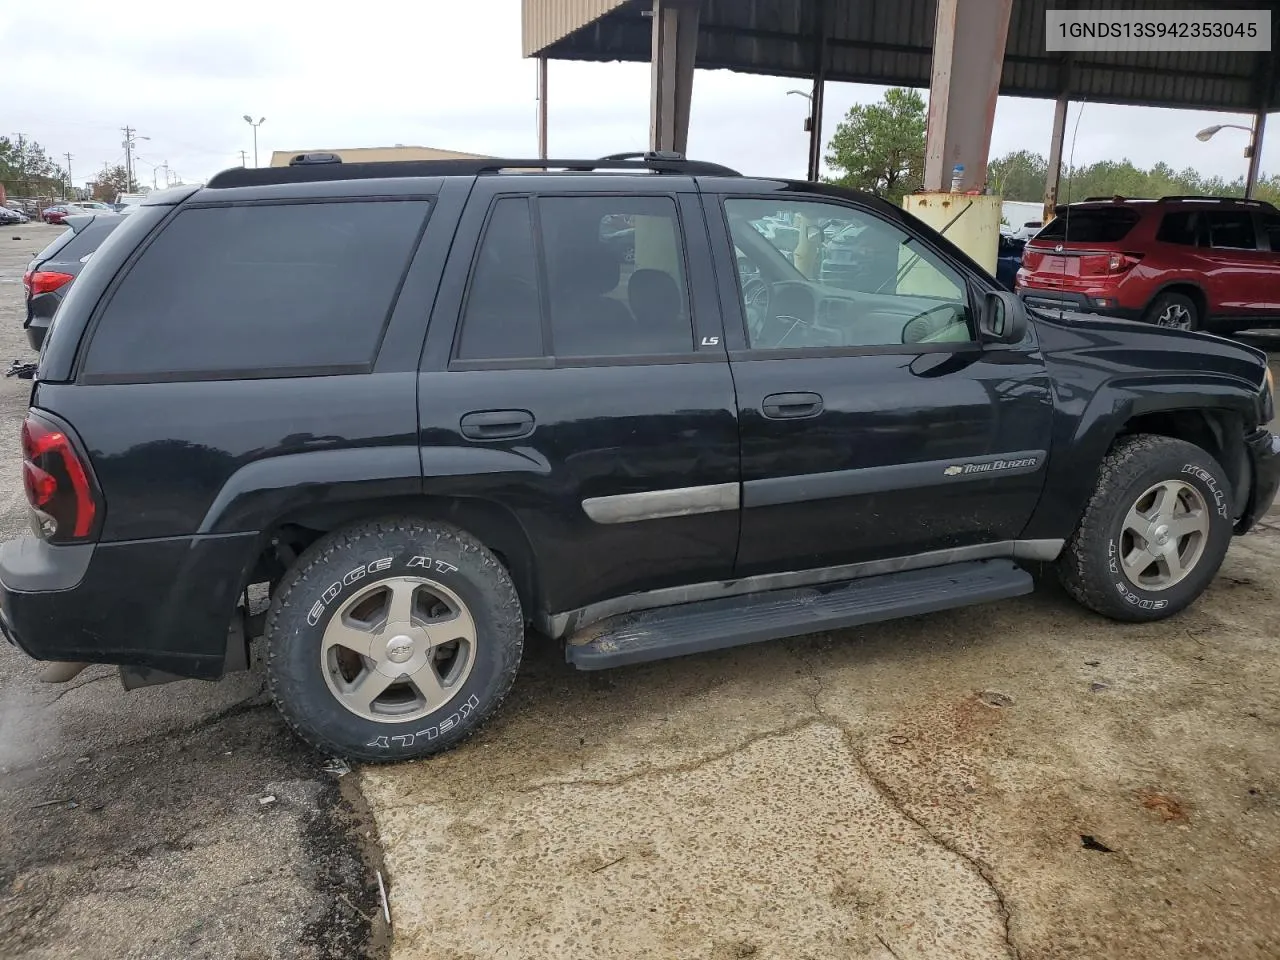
[874, 424]
[585, 394]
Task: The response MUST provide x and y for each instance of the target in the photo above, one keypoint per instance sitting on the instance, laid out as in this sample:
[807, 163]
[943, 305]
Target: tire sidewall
[309, 599]
[1206, 476]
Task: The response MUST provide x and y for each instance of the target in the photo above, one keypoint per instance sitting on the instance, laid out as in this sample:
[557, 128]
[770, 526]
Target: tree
[1018, 176]
[27, 171]
[111, 183]
[879, 147]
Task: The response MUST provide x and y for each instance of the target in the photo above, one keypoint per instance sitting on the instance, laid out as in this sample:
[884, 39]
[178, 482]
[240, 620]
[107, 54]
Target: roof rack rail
[1243, 201]
[327, 169]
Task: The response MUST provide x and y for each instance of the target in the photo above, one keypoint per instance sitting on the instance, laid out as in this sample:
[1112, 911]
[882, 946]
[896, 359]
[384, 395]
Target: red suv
[1198, 263]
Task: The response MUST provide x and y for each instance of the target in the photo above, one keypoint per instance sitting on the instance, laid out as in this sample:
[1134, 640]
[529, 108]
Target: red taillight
[45, 281]
[1120, 262]
[56, 482]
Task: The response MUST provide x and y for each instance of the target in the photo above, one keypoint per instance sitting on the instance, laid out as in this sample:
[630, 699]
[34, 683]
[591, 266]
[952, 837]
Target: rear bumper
[163, 604]
[1074, 301]
[1264, 462]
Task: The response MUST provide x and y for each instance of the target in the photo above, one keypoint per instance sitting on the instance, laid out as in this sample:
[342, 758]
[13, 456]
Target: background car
[10, 217]
[50, 274]
[1009, 259]
[1028, 230]
[54, 214]
[1195, 263]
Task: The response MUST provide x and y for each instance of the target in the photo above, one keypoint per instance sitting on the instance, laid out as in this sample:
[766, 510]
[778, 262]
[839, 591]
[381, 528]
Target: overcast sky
[436, 74]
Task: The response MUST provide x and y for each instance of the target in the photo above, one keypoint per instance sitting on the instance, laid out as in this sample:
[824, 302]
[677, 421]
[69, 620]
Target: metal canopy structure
[890, 42]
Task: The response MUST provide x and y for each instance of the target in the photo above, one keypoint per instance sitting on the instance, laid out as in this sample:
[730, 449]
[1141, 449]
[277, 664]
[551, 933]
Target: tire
[1092, 567]
[1175, 310]
[456, 626]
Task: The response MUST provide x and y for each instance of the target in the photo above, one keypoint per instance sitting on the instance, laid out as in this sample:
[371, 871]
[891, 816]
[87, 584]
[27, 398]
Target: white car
[1028, 230]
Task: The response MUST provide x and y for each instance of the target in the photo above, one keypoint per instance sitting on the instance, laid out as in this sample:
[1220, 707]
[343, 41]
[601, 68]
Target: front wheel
[393, 639]
[1154, 533]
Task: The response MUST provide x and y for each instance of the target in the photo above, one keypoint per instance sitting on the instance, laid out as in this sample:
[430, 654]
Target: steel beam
[968, 51]
[675, 47]
[542, 108]
[1054, 175]
[1255, 152]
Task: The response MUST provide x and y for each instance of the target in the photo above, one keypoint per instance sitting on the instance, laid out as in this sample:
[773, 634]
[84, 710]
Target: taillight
[1120, 262]
[57, 482]
[44, 281]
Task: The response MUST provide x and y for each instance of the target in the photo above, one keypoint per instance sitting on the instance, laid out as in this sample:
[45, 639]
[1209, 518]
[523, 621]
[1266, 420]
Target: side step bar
[736, 621]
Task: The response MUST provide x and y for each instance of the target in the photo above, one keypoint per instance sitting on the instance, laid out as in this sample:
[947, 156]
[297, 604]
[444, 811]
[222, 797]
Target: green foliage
[1021, 176]
[28, 172]
[110, 184]
[879, 147]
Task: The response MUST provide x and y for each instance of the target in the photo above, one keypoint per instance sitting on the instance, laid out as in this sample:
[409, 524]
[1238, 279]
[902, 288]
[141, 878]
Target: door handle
[791, 406]
[497, 424]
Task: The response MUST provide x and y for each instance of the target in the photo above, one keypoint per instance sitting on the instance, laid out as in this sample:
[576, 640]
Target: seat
[658, 309]
[585, 322]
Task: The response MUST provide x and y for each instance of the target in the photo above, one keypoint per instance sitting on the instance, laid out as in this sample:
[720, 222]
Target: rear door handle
[497, 424]
[791, 406]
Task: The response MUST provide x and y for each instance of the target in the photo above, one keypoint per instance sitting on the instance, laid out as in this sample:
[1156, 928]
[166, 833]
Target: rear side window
[1090, 225]
[1181, 227]
[1232, 231]
[1271, 224]
[587, 277]
[60, 241]
[264, 288]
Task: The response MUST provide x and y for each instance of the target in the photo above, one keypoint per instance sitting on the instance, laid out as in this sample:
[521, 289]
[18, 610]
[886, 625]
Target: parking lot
[1021, 780]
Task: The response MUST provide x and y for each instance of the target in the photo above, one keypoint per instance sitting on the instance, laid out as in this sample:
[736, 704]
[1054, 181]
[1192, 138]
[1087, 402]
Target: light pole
[811, 127]
[131, 137]
[249, 120]
[1253, 151]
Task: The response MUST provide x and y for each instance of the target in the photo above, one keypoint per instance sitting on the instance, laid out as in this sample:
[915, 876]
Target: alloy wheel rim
[399, 649]
[1176, 316]
[1163, 535]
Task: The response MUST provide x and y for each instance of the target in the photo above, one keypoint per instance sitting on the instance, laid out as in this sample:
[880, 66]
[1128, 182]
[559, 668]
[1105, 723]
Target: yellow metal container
[972, 223]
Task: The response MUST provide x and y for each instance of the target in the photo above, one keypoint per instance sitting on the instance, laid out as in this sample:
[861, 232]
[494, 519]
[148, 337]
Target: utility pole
[165, 167]
[22, 161]
[244, 158]
[128, 159]
[70, 187]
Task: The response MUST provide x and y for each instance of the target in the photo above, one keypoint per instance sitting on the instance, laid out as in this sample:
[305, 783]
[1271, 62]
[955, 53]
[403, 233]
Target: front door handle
[497, 424]
[791, 406]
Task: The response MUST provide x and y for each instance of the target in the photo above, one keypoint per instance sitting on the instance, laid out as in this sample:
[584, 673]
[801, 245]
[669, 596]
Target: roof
[890, 42]
[280, 158]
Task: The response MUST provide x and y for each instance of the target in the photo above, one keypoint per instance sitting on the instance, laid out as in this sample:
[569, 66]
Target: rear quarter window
[262, 289]
[1090, 226]
[88, 239]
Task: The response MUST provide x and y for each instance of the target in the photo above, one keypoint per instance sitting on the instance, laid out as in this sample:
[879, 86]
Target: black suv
[429, 406]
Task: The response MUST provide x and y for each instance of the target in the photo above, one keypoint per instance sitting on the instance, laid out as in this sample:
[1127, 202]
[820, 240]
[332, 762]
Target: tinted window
[502, 318]
[1271, 223]
[260, 287]
[615, 278]
[876, 285]
[1232, 231]
[1182, 227]
[1090, 225]
[60, 241]
[89, 238]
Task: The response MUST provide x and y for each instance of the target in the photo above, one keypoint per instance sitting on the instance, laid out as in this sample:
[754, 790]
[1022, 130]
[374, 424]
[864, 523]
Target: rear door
[874, 425]
[1271, 240]
[586, 391]
[1239, 276]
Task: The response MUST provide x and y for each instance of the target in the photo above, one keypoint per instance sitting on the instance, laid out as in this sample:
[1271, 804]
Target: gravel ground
[131, 824]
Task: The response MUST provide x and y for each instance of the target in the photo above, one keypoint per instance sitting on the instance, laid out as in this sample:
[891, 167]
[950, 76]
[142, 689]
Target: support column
[1255, 152]
[542, 108]
[1054, 175]
[968, 55]
[819, 89]
[675, 47]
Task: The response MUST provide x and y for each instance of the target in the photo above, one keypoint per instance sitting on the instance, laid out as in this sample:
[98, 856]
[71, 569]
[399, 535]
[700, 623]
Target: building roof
[280, 158]
[890, 42]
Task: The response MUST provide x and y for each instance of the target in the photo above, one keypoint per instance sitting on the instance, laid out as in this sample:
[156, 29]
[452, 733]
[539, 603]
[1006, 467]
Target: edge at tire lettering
[430, 733]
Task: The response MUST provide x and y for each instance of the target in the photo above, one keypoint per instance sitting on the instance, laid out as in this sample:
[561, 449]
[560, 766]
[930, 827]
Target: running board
[736, 621]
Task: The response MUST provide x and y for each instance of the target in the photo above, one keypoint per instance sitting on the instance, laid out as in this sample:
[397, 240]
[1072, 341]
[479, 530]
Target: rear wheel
[393, 639]
[1154, 533]
[1175, 310]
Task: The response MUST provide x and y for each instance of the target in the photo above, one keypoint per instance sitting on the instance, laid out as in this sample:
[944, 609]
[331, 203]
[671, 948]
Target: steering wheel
[921, 326]
[755, 298]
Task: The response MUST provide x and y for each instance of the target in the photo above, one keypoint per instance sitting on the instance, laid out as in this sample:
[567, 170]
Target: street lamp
[1252, 152]
[249, 120]
[1208, 132]
[808, 121]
